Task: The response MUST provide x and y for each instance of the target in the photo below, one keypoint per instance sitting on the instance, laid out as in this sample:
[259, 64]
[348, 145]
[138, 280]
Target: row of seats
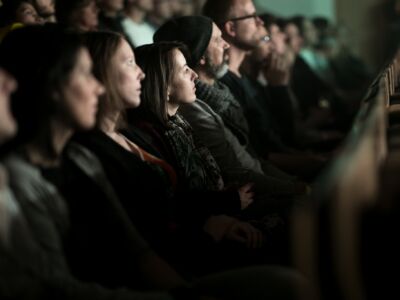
[341, 238]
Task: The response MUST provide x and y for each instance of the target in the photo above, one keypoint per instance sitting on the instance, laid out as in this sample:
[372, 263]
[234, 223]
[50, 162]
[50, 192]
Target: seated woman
[57, 95]
[181, 225]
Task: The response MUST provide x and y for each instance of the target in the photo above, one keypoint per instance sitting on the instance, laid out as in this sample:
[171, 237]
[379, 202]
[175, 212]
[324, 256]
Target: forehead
[24, 6]
[124, 49]
[180, 59]
[83, 57]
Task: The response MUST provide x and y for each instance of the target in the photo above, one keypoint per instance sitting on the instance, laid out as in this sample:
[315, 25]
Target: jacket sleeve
[223, 145]
[26, 274]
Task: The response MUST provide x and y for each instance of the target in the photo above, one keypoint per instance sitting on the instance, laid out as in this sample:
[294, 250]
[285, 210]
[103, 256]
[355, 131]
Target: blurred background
[372, 27]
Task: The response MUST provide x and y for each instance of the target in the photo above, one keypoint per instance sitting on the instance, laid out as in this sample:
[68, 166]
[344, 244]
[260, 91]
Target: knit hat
[194, 31]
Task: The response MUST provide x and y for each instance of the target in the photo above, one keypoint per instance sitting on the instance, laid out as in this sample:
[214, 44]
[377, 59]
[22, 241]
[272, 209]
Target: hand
[217, 226]
[245, 233]
[246, 195]
[277, 70]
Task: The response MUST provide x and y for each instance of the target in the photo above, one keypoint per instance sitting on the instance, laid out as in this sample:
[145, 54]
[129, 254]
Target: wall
[308, 8]
[367, 21]
[368, 24]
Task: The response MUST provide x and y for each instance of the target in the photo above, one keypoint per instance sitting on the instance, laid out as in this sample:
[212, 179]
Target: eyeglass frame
[253, 15]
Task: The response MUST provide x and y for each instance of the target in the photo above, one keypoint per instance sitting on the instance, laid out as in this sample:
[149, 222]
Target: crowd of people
[155, 149]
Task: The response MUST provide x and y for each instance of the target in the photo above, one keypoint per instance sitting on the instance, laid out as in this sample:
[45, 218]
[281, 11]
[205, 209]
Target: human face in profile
[81, 92]
[181, 89]
[129, 75]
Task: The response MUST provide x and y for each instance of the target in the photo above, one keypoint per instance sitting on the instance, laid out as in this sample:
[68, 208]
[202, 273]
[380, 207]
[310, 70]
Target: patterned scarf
[221, 100]
[196, 164]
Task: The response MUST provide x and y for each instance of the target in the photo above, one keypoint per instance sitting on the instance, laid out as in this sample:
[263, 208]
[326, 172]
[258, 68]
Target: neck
[204, 77]
[47, 150]
[135, 14]
[236, 57]
[172, 109]
[109, 125]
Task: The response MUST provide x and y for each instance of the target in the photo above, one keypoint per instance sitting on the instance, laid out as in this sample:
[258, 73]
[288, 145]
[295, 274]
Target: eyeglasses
[254, 16]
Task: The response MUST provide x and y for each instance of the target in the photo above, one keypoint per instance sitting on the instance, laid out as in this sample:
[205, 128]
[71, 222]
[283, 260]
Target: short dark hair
[158, 63]
[102, 47]
[218, 10]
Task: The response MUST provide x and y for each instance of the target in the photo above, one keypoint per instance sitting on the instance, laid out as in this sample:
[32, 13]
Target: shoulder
[85, 159]
[25, 176]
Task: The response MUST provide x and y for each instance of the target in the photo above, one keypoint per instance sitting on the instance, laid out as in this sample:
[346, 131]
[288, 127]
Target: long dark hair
[41, 58]
[158, 63]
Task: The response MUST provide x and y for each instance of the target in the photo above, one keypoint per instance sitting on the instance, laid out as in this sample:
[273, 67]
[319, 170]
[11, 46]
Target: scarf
[221, 100]
[195, 163]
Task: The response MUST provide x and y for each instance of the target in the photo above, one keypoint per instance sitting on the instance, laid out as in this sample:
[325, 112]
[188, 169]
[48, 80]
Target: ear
[230, 28]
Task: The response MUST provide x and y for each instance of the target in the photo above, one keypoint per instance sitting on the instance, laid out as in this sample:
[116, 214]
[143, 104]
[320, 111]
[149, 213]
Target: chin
[135, 103]
[88, 125]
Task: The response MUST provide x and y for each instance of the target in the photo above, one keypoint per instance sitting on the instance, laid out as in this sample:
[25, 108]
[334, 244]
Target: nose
[259, 21]
[100, 89]
[194, 75]
[11, 85]
[7, 83]
[226, 45]
[142, 75]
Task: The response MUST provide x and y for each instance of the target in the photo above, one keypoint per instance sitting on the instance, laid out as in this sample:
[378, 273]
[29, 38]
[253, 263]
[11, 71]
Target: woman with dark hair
[169, 84]
[87, 235]
[59, 90]
[193, 218]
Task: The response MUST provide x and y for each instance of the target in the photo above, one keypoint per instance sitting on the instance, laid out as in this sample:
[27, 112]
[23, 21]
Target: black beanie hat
[194, 31]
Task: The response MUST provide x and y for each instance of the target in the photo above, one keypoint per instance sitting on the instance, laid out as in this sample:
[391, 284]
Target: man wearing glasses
[242, 29]
[239, 24]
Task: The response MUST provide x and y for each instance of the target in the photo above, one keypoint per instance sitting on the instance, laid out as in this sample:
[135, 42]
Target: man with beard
[241, 28]
[217, 119]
